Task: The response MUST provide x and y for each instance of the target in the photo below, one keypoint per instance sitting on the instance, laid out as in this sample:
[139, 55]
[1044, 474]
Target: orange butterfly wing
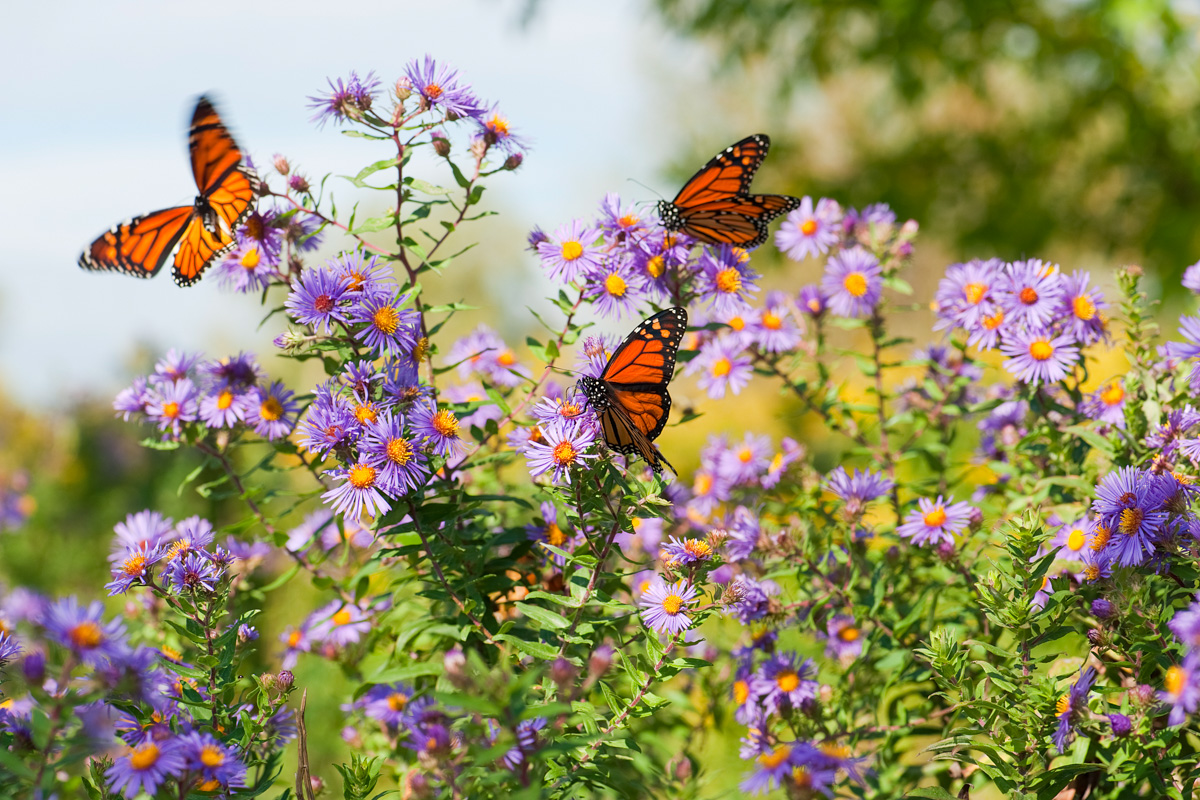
[727, 173]
[140, 246]
[740, 221]
[198, 248]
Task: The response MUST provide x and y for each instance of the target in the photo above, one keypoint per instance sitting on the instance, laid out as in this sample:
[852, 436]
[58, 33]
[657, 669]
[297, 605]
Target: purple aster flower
[858, 489]
[345, 100]
[746, 462]
[547, 531]
[725, 280]
[1191, 277]
[340, 624]
[1073, 538]
[572, 251]
[145, 529]
[874, 214]
[9, 647]
[438, 429]
[272, 411]
[1071, 706]
[485, 353]
[394, 452]
[145, 767]
[810, 232]
[775, 330]
[965, 292]
[296, 641]
[724, 366]
[754, 600]
[439, 88]
[812, 300]
[665, 606]
[1102, 608]
[247, 269]
[495, 130]
[526, 734]
[614, 288]
[236, 373]
[935, 521]
[595, 352]
[744, 531]
[1186, 626]
[300, 537]
[992, 325]
[330, 421]
[132, 400]
[133, 568]
[369, 277]
[360, 491]
[214, 762]
[1082, 309]
[1121, 725]
[1129, 504]
[1036, 356]
[83, 631]
[853, 282]
[1181, 688]
[616, 219]
[709, 489]
[563, 448]
[265, 229]
[386, 703]
[172, 404]
[176, 365]
[222, 408]
[781, 681]
[195, 572]
[685, 552]
[388, 328]
[786, 761]
[549, 410]
[1168, 435]
[1106, 405]
[843, 639]
[1031, 293]
[316, 298]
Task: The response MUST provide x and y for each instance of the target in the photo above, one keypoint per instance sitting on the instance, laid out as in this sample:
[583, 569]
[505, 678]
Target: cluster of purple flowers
[184, 554]
[331, 629]
[1181, 685]
[228, 393]
[1142, 516]
[267, 246]
[1039, 318]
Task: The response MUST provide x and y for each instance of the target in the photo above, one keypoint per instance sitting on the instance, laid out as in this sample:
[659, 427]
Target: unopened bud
[562, 672]
[291, 339]
[479, 148]
[441, 144]
[318, 785]
[975, 518]
[285, 680]
[268, 680]
[1134, 271]
[299, 183]
[1103, 609]
[416, 786]
[1095, 636]
[514, 161]
[599, 662]
[680, 767]
[455, 665]
[281, 165]
[403, 89]
[34, 667]
[1144, 695]
[945, 551]
[717, 537]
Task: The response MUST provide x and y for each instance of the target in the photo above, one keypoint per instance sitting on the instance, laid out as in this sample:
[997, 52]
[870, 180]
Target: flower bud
[945, 551]
[416, 786]
[1121, 724]
[479, 149]
[268, 680]
[1103, 609]
[562, 672]
[318, 785]
[514, 161]
[455, 665]
[975, 518]
[403, 88]
[1095, 636]
[281, 165]
[299, 183]
[599, 662]
[1134, 271]
[285, 680]
[680, 767]
[441, 143]
[34, 667]
[1144, 695]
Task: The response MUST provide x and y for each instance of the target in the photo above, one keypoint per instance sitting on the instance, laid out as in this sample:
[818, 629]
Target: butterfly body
[197, 234]
[715, 205]
[630, 397]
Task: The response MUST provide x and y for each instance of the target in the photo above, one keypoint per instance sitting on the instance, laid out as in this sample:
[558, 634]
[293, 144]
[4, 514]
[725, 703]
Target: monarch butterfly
[716, 206]
[198, 233]
[630, 395]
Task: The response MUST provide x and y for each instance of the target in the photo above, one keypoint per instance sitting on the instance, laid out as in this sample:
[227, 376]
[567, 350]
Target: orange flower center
[994, 321]
[271, 409]
[729, 281]
[703, 483]
[1085, 309]
[721, 367]
[555, 535]
[571, 250]
[1176, 677]
[342, 617]
[144, 756]
[773, 759]
[855, 283]
[565, 453]
[134, 565]
[1113, 394]
[386, 319]
[212, 756]
[1075, 540]
[433, 91]
[1063, 705]
[771, 321]
[808, 227]
[170, 410]
[1131, 520]
[656, 266]
[445, 423]
[86, 635]
[628, 221]
[399, 451]
[672, 604]
[935, 518]
[362, 476]
[366, 413]
[975, 292]
[1028, 295]
[250, 259]
[1040, 349]
[787, 680]
[506, 359]
[397, 701]
[224, 399]
[848, 634]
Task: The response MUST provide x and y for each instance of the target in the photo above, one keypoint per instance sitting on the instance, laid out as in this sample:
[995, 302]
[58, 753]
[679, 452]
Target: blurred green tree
[1006, 127]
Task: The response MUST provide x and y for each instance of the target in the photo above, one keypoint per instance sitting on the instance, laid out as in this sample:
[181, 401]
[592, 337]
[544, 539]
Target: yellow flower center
[212, 756]
[1085, 309]
[835, 750]
[565, 453]
[342, 617]
[250, 259]
[773, 759]
[1040, 349]
[555, 535]
[1028, 295]
[294, 638]
[721, 367]
[614, 284]
[697, 548]
[741, 692]
[672, 604]
[1100, 538]
[848, 634]
[787, 680]
[703, 483]
[776, 462]
[271, 409]
[445, 423]
[366, 413]
[855, 283]
[86, 635]
[571, 250]
[736, 323]
[134, 565]
[362, 476]
[144, 756]
[745, 455]
[433, 91]
[208, 786]
[814, 305]
[1131, 520]
[808, 227]
[628, 221]
[1063, 705]
[178, 549]
[729, 281]
[224, 399]
[399, 451]
[1176, 677]
[802, 778]
[1113, 394]
[421, 350]
[994, 321]
[506, 359]
[386, 319]
[936, 517]
[656, 266]
[498, 125]
[170, 410]
[1092, 572]
[975, 292]
[397, 701]
[771, 321]
[1075, 540]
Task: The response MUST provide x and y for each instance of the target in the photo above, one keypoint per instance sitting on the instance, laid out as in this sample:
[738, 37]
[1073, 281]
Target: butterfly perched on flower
[716, 206]
[630, 396]
[197, 234]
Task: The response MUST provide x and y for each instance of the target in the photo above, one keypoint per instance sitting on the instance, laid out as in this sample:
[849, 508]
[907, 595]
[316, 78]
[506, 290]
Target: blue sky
[97, 96]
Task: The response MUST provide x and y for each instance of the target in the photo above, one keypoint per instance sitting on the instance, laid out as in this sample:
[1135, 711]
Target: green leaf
[536, 649]
[359, 180]
[545, 616]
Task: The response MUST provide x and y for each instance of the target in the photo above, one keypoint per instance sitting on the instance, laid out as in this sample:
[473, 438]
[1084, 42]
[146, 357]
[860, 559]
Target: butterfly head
[668, 212]
[593, 389]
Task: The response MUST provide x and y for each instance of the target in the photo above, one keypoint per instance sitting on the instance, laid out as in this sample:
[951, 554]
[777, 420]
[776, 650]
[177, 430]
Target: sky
[97, 97]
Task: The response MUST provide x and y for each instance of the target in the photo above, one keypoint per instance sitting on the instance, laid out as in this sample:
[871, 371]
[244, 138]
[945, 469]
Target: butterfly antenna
[647, 188]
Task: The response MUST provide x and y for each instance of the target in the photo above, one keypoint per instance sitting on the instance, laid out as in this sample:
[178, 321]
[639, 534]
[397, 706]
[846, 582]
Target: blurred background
[1063, 129]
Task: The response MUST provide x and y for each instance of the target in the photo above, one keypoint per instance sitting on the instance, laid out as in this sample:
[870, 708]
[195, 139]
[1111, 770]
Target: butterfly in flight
[630, 396]
[197, 234]
[716, 206]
